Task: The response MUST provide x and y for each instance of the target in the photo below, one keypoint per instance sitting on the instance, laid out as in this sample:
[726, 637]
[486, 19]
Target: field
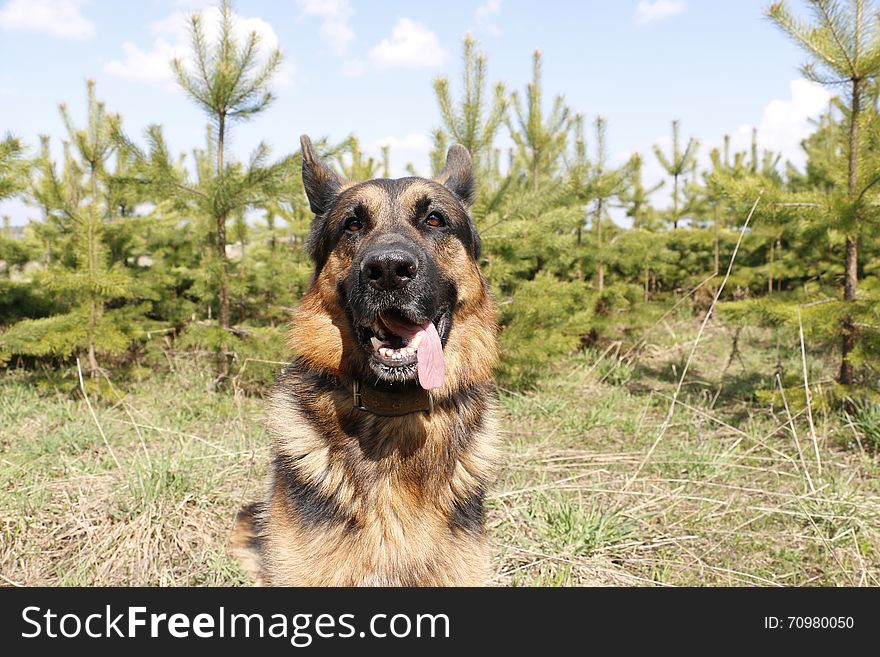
[729, 435]
[600, 484]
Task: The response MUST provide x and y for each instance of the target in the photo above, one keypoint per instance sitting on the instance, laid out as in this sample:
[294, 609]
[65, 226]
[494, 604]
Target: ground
[140, 485]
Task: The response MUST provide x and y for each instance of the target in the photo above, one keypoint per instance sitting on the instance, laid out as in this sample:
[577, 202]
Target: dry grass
[187, 459]
[725, 498]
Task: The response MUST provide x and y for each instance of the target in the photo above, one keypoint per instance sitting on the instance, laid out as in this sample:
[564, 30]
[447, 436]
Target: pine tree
[240, 187]
[597, 185]
[843, 44]
[539, 142]
[14, 171]
[94, 146]
[355, 166]
[721, 169]
[644, 235]
[677, 164]
[636, 198]
[694, 201]
[230, 86]
[13, 167]
[81, 274]
[469, 123]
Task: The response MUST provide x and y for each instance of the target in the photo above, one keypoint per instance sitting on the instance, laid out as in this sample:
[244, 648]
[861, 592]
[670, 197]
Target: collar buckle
[358, 396]
[391, 404]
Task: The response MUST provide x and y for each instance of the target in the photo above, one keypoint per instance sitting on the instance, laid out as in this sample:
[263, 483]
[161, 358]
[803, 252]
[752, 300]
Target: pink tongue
[429, 352]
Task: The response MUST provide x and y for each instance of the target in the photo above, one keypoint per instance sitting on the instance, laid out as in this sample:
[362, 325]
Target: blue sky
[366, 67]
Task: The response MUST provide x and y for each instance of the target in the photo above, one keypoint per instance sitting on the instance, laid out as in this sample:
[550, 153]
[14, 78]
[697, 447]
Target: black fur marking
[320, 182]
[471, 404]
[467, 512]
[251, 517]
[308, 379]
[421, 208]
[308, 503]
[317, 243]
[476, 395]
[458, 174]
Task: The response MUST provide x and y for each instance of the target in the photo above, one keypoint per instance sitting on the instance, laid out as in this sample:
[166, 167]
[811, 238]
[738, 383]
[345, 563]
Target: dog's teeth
[416, 341]
[389, 353]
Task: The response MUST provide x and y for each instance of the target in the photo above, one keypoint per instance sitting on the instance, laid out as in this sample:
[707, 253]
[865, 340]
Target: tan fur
[402, 536]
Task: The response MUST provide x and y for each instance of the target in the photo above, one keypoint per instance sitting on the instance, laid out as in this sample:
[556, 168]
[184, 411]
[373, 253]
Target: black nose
[389, 270]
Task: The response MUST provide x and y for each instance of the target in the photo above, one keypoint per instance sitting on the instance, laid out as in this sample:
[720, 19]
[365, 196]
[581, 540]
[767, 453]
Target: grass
[866, 421]
[724, 498]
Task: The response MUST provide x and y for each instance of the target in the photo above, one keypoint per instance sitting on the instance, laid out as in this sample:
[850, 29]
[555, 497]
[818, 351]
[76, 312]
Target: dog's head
[397, 284]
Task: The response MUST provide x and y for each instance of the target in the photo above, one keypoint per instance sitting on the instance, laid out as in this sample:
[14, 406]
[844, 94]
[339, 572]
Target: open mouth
[402, 349]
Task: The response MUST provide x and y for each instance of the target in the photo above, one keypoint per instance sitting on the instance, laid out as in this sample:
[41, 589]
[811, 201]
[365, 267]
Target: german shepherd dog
[384, 440]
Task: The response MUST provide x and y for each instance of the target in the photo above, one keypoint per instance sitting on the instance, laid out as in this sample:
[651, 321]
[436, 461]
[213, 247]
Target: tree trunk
[770, 273]
[647, 282]
[223, 284]
[93, 317]
[600, 272]
[781, 265]
[850, 282]
[270, 220]
[535, 161]
[675, 201]
[717, 254]
[94, 309]
[851, 266]
[223, 359]
[223, 313]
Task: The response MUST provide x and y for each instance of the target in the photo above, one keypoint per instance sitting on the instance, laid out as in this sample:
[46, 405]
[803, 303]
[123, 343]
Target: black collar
[391, 404]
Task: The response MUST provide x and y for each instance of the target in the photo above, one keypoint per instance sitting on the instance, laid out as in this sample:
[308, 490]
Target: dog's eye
[435, 220]
[353, 225]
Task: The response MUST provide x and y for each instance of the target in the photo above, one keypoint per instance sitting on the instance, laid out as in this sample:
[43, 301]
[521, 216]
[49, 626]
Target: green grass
[866, 421]
[726, 497]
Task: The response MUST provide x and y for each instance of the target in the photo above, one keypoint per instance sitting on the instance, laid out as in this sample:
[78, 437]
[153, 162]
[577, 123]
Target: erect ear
[320, 181]
[458, 174]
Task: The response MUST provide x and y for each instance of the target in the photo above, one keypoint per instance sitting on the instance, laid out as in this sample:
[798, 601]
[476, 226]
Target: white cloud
[150, 66]
[648, 12]
[172, 40]
[411, 45]
[353, 67]
[325, 8]
[335, 28]
[61, 18]
[412, 149]
[195, 5]
[484, 15]
[785, 123]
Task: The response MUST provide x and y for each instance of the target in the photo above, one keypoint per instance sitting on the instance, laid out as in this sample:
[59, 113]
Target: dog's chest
[402, 537]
